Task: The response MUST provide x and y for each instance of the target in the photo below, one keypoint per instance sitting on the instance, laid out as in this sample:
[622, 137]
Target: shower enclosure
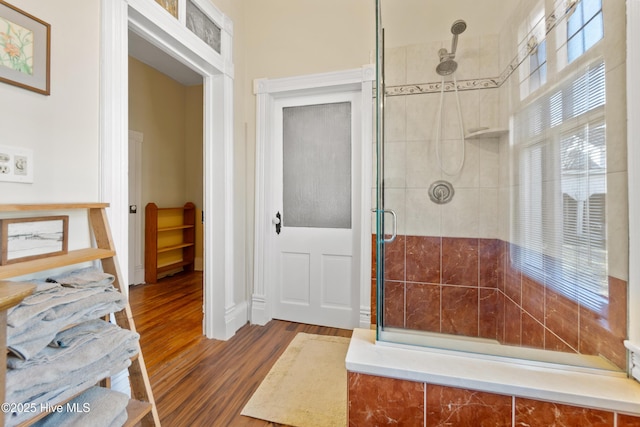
[501, 201]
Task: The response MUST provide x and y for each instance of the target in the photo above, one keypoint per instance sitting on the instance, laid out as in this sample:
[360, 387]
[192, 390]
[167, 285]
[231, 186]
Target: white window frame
[582, 30]
[550, 137]
[531, 33]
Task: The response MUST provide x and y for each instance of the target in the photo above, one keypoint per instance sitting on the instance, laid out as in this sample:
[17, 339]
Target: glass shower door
[386, 218]
[379, 169]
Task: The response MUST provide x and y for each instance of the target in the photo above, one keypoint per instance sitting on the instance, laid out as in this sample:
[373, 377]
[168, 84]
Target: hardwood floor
[197, 381]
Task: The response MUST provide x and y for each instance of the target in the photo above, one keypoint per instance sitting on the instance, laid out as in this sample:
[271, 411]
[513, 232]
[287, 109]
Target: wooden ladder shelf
[142, 408]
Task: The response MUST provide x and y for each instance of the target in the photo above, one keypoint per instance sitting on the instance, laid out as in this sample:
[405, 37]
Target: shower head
[446, 67]
[458, 27]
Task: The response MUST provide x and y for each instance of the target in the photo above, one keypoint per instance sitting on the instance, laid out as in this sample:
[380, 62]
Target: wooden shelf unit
[141, 409]
[170, 235]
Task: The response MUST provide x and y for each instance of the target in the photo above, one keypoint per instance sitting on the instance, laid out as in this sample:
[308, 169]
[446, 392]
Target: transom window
[538, 66]
[532, 45]
[584, 27]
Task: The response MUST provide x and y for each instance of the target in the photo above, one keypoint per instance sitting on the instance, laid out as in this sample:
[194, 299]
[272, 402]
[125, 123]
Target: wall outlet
[21, 165]
[16, 164]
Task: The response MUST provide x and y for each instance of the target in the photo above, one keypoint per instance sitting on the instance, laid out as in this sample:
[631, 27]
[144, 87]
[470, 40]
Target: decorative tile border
[469, 84]
[415, 89]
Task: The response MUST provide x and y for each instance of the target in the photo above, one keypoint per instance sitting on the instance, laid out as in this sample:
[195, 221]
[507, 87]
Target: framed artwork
[25, 47]
[25, 239]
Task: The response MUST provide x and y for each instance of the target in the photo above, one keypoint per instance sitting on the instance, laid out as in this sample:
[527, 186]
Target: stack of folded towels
[50, 362]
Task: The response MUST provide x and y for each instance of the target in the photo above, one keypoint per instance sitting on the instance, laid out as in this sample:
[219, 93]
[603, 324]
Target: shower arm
[454, 45]
[443, 54]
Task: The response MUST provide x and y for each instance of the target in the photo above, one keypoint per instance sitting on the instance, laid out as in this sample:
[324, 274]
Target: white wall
[411, 141]
[62, 129]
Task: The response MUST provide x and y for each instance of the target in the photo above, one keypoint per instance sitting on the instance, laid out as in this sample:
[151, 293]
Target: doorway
[151, 22]
[165, 156]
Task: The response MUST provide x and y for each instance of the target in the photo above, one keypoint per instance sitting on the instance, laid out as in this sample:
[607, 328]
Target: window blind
[560, 211]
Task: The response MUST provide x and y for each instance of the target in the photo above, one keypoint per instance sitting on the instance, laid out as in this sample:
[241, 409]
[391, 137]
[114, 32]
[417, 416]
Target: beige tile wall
[411, 161]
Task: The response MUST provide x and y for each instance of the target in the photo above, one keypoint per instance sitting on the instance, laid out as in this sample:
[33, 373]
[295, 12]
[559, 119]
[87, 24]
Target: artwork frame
[25, 50]
[26, 239]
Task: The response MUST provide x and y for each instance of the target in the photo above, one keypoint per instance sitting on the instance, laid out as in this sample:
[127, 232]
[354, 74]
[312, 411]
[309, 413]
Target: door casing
[223, 315]
[136, 258]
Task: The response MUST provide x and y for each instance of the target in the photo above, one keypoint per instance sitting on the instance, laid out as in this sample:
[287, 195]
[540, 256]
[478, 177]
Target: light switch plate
[16, 164]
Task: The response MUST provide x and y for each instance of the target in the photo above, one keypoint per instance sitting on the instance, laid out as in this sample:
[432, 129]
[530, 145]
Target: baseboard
[136, 277]
[259, 314]
[235, 317]
[365, 317]
[634, 359]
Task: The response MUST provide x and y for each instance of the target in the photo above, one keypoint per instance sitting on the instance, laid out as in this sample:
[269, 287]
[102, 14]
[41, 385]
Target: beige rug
[307, 386]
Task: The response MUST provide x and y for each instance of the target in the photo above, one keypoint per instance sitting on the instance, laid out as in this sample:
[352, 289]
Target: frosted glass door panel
[317, 166]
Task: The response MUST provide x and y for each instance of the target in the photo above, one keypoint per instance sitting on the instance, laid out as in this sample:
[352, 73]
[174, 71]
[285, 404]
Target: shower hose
[439, 130]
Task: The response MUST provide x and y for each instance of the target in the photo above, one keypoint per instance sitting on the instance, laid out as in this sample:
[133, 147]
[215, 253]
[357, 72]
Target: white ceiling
[151, 55]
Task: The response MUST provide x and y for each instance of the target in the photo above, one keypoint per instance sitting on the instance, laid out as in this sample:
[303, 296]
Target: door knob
[277, 221]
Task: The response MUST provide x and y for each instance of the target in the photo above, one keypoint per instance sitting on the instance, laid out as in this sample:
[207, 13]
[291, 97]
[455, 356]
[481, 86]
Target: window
[538, 66]
[560, 211]
[584, 27]
[532, 46]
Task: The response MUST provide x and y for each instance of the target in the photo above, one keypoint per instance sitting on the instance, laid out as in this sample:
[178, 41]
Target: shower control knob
[441, 192]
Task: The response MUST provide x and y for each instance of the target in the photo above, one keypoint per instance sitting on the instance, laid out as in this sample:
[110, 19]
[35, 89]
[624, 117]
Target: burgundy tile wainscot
[476, 288]
[396, 385]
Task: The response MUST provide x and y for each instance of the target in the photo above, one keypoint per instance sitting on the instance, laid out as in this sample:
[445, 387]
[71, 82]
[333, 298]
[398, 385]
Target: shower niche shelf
[487, 133]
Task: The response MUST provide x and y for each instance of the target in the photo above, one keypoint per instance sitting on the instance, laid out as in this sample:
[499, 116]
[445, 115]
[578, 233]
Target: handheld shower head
[457, 28]
[447, 64]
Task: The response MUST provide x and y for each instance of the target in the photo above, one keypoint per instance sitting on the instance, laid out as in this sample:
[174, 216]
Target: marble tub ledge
[506, 377]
